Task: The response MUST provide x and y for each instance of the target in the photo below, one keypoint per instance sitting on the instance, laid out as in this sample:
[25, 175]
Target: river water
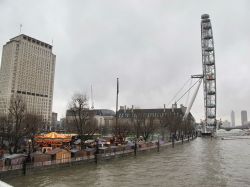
[202, 162]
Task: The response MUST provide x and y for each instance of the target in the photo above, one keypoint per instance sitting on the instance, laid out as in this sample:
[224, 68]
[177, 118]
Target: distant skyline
[152, 46]
[244, 118]
[232, 118]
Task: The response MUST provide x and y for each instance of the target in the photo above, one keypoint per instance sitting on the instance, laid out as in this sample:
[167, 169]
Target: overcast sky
[152, 46]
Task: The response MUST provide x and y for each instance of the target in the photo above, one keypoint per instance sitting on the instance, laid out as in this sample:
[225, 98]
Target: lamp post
[29, 142]
[173, 137]
[97, 150]
[135, 147]
[158, 144]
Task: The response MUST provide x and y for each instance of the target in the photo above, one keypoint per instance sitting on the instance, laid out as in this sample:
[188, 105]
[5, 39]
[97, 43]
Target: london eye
[209, 74]
[208, 77]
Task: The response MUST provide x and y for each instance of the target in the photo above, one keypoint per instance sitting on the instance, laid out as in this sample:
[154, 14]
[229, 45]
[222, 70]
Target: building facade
[54, 121]
[131, 114]
[232, 118]
[103, 117]
[27, 70]
[243, 117]
[226, 124]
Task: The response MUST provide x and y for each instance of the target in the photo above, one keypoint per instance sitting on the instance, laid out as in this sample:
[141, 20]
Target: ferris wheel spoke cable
[177, 93]
[187, 91]
[187, 100]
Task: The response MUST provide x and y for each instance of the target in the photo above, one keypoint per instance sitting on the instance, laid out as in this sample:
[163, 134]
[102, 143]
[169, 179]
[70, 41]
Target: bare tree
[139, 119]
[148, 127]
[18, 124]
[5, 129]
[122, 129]
[163, 121]
[175, 123]
[17, 110]
[80, 119]
[32, 124]
[188, 127]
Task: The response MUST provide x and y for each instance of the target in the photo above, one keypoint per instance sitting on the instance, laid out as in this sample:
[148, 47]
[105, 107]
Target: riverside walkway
[107, 154]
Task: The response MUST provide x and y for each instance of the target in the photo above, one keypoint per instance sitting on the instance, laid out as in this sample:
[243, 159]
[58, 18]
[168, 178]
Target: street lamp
[158, 144]
[135, 147]
[97, 149]
[29, 142]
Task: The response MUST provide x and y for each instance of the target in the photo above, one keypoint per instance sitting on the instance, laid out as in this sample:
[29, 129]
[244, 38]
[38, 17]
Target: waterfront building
[226, 124]
[243, 117]
[168, 116]
[62, 124]
[103, 117]
[154, 112]
[27, 70]
[54, 121]
[232, 118]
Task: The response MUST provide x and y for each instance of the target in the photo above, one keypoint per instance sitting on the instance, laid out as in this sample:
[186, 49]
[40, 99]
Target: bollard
[182, 138]
[96, 151]
[24, 167]
[173, 141]
[158, 146]
[135, 148]
[188, 137]
[95, 158]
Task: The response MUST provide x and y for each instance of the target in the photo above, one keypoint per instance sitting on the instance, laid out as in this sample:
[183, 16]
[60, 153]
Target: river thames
[202, 162]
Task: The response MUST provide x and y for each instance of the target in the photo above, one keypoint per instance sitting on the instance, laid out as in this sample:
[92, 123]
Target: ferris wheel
[209, 73]
[208, 77]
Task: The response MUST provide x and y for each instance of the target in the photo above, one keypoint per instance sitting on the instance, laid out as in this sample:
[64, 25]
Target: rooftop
[33, 40]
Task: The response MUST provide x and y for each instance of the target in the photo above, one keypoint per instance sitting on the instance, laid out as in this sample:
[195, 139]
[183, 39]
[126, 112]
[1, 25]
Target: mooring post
[173, 141]
[96, 151]
[158, 145]
[24, 166]
[135, 148]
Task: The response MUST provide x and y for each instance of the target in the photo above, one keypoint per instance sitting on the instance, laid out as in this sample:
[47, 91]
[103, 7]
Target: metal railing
[102, 153]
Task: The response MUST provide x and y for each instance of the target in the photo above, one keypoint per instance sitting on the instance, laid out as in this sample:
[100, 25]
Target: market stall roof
[14, 156]
[53, 138]
[54, 135]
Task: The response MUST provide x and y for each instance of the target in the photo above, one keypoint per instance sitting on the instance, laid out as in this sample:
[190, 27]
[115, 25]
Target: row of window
[129, 115]
[29, 93]
[37, 42]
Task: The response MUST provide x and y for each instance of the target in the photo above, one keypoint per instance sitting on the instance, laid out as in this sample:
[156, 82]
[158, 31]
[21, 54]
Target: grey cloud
[152, 46]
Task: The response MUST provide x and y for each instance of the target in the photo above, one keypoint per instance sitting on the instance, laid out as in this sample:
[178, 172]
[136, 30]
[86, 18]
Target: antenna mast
[116, 110]
[20, 31]
[92, 100]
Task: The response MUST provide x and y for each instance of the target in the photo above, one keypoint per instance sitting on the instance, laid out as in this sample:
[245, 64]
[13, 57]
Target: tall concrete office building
[27, 69]
[232, 118]
[243, 117]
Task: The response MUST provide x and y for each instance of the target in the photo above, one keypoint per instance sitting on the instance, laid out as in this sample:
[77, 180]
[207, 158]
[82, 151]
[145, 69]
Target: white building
[27, 69]
[226, 124]
[232, 118]
[243, 117]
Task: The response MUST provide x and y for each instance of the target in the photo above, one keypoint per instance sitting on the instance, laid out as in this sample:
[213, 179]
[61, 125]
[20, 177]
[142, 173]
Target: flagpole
[117, 93]
[20, 31]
